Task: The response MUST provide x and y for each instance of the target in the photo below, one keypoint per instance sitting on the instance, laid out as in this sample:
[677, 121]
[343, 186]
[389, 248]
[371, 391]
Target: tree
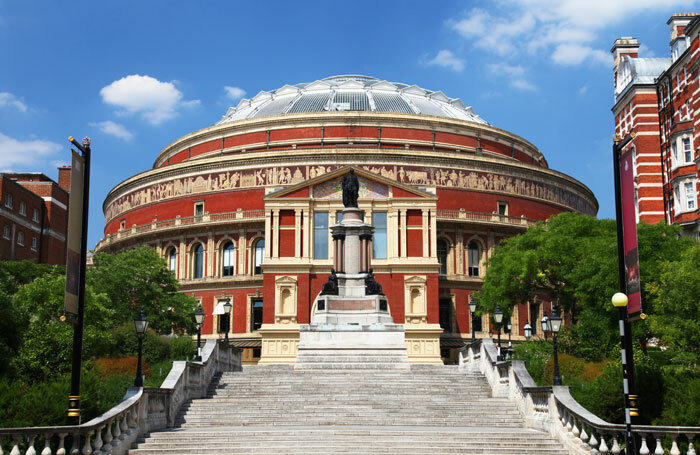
[140, 278]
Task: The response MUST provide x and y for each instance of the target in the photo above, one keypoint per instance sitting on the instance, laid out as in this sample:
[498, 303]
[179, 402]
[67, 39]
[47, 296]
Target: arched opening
[172, 259]
[259, 255]
[198, 261]
[473, 258]
[442, 251]
[228, 259]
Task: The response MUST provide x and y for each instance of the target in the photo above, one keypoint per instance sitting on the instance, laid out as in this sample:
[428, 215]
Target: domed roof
[351, 93]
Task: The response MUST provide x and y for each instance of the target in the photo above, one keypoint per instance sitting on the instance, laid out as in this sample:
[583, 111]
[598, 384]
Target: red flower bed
[118, 366]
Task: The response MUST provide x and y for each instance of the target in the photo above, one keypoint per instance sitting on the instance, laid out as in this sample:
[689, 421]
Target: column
[268, 238]
[210, 256]
[459, 251]
[402, 214]
[182, 256]
[275, 234]
[433, 233]
[491, 244]
[426, 232]
[242, 248]
[297, 233]
[392, 228]
[306, 228]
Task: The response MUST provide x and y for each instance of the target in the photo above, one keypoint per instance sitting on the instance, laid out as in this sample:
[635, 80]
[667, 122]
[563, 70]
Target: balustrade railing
[485, 217]
[141, 410]
[554, 410]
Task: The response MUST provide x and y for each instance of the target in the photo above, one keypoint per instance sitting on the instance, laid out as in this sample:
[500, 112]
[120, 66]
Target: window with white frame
[259, 255]
[690, 195]
[22, 208]
[687, 150]
[8, 200]
[172, 260]
[20, 238]
[674, 152]
[684, 195]
[35, 215]
[687, 110]
[34, 242]
[320, 235]
[198, 261]
[228, 259]
[6, 232]
[198, 209]
[443, 250]
[473, 258]
[379, 241]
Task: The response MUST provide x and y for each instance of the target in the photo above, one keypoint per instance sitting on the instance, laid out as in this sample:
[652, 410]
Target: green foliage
[535, 355]
[155, 347]
[681, 397]
[182, 348]
[139, 278]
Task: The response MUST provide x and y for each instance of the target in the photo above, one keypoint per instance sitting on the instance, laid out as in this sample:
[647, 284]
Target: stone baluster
[107, 446]
[644, 449]
[117, 433]
[61, 447]
[674, 446]
[603, 447]
[691, 449]
[574, 429]
[74, 448]
[124, 426]
[30, 445]
[47, 444]
[1, 439]
[569, 427]
[15, 447]
[593, 443]
[97, 443]
[659, 448]
[615, 450]
[87, 448]
[584, 436]
[134, 417]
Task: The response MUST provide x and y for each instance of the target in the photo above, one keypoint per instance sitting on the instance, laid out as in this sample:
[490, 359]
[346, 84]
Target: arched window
[198, 261]
[172, 260]
[259, 254]
[442, 250]
[228, 259]
[473, 258]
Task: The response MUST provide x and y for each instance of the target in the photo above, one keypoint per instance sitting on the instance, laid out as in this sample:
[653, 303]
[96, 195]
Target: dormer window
[678, 47]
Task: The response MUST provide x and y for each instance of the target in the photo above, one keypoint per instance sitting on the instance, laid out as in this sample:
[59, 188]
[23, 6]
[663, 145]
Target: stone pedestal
[352, 330]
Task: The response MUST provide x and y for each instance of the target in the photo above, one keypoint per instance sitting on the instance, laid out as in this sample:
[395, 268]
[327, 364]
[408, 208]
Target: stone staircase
[279, 410]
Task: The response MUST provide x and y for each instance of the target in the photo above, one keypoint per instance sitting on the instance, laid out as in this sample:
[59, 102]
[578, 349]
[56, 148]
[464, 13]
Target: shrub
[120, 366]
[535, 355]
[570, 367]
[681, 397]
[182, 348]
[155, 347]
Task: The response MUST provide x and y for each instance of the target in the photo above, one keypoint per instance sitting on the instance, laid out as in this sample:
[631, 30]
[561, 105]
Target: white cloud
[522, 84]
[156, 101]
[510, 70]
[8, 99]
[646, 51]
[15, 152]
[234, 93]
[113, 129]
[447, 59]
[557, 27]
[583, 90]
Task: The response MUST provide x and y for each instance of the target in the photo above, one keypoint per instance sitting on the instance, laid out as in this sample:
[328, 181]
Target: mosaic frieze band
[412, 175]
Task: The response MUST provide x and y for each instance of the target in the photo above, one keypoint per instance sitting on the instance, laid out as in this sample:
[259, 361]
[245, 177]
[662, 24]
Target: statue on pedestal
[351, 189]
[330, 287]
[371, 286]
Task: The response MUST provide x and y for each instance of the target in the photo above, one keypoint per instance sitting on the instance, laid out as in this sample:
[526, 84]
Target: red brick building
[658, 99]
[34, 217]
[242, 210]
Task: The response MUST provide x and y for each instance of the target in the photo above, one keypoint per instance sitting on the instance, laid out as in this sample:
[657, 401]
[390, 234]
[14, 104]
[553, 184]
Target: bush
[535, 355]
[681, 398]
[182, 348]
[120, 366]
[155, 348]
[570, 367]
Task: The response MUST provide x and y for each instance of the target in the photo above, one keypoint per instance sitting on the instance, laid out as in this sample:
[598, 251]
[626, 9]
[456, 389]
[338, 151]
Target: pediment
[318, 85]
[328, 187]
[384, 85]
[287, 90]
[351, 84]
[414, 90]
[262, 96]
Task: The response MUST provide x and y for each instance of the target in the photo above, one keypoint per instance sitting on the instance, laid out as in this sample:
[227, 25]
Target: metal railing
[141, 410]
[554, 410]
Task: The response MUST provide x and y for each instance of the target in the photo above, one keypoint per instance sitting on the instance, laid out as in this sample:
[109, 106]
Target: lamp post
[199, 320]
[619, 300]
[498, 318]
[472, 309]
[227, 310]
[527, 330]
[545, 325]
[509, 326]
[554, 324]
[141, 325]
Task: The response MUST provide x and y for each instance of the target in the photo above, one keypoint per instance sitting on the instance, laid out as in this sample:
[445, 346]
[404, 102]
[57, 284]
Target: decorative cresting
[141, 411]
[554, 410]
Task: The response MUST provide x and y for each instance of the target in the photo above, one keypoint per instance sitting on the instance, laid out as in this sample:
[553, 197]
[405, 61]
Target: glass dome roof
[351, 93]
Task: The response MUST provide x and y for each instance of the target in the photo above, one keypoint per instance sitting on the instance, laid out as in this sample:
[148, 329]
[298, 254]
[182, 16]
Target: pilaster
[426, 233]
[275, 234]
[402, 214]
[297, 233]
[433, 233]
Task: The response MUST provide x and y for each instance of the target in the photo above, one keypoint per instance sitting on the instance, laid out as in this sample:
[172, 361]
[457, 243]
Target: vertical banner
[629, 227]
[75, 223]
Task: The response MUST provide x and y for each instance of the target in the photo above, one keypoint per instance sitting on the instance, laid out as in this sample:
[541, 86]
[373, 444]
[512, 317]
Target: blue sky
[135, 76]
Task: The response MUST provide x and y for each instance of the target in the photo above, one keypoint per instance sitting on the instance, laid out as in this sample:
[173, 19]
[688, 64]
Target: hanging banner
[629, 227]
[75, 224]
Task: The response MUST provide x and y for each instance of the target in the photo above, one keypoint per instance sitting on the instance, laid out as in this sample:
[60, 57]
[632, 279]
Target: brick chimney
[64, 177]
[677, 24]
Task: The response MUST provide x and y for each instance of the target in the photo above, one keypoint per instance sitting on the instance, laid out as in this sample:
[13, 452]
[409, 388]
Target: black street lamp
[509, 326]
[619, 301]
[227, 310]
[554, 326]
[199, 320]
[141, 325]
[472, 309]
[527, 330]
[545, 325]
[498, 318]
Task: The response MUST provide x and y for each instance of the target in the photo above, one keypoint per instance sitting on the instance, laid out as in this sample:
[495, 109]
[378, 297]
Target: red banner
[75, 222]
[629, 227]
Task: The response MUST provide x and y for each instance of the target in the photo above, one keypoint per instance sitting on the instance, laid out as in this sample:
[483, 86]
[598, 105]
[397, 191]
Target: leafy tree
[139, 278]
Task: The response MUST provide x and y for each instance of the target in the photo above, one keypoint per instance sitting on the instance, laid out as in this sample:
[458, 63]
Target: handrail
[143, 409]
[554, 410]
[486, 217]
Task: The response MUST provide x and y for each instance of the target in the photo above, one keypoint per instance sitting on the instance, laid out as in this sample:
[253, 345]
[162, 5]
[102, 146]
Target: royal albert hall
[241, 210]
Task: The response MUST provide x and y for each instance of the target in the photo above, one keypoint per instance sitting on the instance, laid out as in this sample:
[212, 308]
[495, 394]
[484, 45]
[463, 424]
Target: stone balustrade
[141, 411]
[463, 215]
[554, 410]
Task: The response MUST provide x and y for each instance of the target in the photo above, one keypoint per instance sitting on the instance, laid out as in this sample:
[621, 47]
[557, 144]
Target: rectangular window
[6, 232]
[321, 235]
[122, 224]
[674, 151]
[677, 198]
[476, 320]
[20, 238]
[444, 310]
[534, 316]
[35, 215]
[379, 242]
[687, 110]
[34, 242]
[502, 208]
[687, 151]
[256, 314]
[8, 200]
[198, 209]
[690, 195]
[23, 208]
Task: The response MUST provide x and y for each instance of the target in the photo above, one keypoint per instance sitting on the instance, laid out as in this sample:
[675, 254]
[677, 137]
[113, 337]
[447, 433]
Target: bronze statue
[330, 287]
[351, 188]
[371, 286]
